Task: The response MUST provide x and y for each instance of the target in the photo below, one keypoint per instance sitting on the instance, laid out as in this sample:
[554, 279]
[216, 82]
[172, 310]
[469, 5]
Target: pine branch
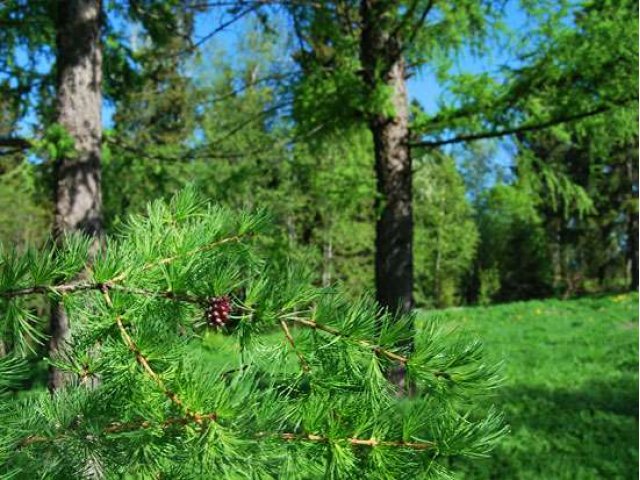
[337, 333]
[395, 357]
[83, 287]
[45, 289]
[527, 127]
[370, 442]
[112, 283]
[182, 297]
[118, 427]
[144, 363]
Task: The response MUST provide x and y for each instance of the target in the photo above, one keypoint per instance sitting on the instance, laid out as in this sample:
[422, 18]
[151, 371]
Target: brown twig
[118, 427]
[144, 363]
[78, 287]
[63, 288]
[368, 442]
[337, 333]
[289, 337]
[112, 283]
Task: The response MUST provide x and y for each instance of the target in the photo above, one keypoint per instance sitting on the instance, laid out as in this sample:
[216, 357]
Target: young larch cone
[217, 312]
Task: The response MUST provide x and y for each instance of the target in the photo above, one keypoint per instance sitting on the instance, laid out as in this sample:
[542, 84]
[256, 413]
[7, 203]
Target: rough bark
[383, 66]
[78, 198]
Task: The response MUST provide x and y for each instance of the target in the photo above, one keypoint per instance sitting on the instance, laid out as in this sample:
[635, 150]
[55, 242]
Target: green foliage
[317, 399]
[56, 143]
[571, 389]
[489, 279]
[446, 235]
[25, 216]
[513, 244]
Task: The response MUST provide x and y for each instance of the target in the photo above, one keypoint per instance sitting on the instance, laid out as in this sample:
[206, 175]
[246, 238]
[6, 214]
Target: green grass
[571, 389]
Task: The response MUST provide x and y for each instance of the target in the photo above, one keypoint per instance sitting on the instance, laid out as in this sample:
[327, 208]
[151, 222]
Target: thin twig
[369, 442]
[110, 284]
[118, 427]
[337, 333]
[81, 287]
[164, 261]
[287, 334]
[524, 128]
[144, 363]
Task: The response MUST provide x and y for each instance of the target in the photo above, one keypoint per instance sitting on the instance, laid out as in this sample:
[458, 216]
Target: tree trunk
[383, 65]
[78, 198]
[437, 290]
[632, 222]
[327, 258]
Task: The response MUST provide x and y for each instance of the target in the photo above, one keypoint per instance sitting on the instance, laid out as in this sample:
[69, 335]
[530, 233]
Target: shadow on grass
[586, 432]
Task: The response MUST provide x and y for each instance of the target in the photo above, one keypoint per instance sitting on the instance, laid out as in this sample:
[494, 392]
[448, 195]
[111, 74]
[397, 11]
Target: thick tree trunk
[78, 198]
[383, 66]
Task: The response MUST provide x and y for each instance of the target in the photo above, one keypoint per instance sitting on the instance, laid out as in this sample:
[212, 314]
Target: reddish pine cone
[217, 312]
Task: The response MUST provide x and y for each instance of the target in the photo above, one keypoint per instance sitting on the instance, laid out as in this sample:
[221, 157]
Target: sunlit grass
[571, 390]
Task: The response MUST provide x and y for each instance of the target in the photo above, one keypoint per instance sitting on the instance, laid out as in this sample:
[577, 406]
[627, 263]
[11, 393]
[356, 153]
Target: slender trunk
[436, 273]
[383, 67]
[633, 249]
[78, 198]
[632, 213]
[327, 257]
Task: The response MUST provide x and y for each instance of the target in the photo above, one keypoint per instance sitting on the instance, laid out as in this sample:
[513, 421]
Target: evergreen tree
[304, 397]
[76, 173]
[356, 56]
[584, 173]
[512, 261]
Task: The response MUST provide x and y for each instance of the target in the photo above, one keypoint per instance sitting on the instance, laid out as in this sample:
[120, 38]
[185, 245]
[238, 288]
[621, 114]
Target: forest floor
[571, 390]
[570, 393]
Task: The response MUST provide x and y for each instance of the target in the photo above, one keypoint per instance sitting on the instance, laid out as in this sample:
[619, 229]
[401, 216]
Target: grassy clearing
[571, 390]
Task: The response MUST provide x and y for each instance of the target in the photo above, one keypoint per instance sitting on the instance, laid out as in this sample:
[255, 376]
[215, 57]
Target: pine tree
[305, 396]
[76, 177]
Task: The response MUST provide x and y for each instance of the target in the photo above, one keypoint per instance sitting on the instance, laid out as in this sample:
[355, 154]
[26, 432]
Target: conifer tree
[304, 396]
[76, 178]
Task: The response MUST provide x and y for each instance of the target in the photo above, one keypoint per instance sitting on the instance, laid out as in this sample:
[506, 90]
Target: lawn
[571, 388]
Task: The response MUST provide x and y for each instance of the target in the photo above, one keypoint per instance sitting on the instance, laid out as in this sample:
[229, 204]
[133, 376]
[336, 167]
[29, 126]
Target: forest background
[229, 97]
